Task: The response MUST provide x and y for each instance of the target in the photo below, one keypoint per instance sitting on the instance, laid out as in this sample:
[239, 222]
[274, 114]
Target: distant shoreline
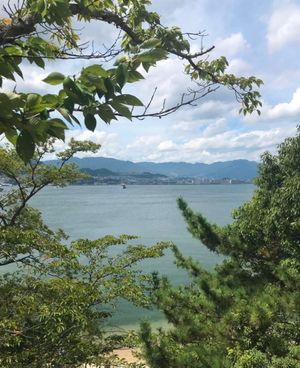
[157, 184]
[157, 323]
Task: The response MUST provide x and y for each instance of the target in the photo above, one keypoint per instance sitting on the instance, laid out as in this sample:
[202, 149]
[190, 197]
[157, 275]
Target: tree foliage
[56, 296]
[245, 314]
[41, 31]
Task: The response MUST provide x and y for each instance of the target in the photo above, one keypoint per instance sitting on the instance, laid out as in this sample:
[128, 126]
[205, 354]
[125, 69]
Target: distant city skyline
[258, 38]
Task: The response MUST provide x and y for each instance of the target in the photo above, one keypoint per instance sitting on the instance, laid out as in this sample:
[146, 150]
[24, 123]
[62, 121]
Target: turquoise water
[147, 211]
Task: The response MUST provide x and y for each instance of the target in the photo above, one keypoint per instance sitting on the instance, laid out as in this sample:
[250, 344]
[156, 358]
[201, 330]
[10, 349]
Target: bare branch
[167, 111]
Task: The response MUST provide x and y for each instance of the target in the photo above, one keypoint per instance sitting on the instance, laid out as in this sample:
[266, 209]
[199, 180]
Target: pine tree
[245, 314]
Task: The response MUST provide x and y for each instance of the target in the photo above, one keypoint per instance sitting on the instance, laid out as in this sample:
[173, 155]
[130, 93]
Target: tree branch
[13, 260]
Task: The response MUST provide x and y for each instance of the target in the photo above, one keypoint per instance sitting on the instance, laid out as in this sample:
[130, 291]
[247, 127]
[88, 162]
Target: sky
[258, 37]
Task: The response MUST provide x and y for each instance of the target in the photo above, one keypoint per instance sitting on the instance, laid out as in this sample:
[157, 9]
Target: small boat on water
[124, 186]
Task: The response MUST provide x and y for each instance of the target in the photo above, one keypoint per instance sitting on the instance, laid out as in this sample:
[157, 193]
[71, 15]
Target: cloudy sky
[260, 38]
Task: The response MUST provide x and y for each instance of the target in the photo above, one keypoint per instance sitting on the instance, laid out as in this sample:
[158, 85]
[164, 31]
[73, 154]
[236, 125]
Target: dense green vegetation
[56, 296]
[246, 313]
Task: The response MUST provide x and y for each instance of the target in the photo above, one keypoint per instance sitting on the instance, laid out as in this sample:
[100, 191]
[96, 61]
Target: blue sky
[259, 37]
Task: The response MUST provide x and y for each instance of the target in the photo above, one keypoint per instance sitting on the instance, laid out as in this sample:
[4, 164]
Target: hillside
[236, 169]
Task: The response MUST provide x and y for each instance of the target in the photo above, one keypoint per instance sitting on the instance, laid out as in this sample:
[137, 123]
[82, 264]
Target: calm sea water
[148, 211]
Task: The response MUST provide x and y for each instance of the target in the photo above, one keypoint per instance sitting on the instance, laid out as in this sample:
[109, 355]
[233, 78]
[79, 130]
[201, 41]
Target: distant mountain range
[105, 173]
[236, 169]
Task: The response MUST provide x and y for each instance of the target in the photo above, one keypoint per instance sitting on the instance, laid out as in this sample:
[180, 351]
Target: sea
[148, 211]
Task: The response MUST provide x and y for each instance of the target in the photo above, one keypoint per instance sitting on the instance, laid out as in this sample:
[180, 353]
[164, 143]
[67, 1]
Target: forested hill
[237, 169]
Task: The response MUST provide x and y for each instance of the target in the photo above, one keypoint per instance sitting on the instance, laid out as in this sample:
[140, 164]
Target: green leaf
[134, 76]
[96, 70]
[14, 50]
[17, 70]
[105, 113]
[90, 122]
[6, 71]
[50, 100]
[122, 75]
[121, 109]
[58, 123]
[57, 128]
[128, 100]
[101, 86]
[65, 113]
[10, 101]
[25, 145]
[110, 88]
[151, 43]
[39, 62]
[69, 84]
[54, 78]
[75, 92]
[75, 119]
[34, 103]
[152, 56]
[69, 105]
[33, 99]
[146, 66]
[12, 136]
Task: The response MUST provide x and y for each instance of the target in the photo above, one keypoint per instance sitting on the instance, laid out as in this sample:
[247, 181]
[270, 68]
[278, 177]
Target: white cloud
[108, 142]
[212, 109]
[233, 48]
[216, 143]
[188, 126]
[207, 127]
[288, 79]
[214, 128]
[232, 45]
[286, 109]
[167, 146]
[239, 66]
[281, 111]
[237, 142]
[145, 141]
[284, 25]
[169, 79]
[32, 81]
